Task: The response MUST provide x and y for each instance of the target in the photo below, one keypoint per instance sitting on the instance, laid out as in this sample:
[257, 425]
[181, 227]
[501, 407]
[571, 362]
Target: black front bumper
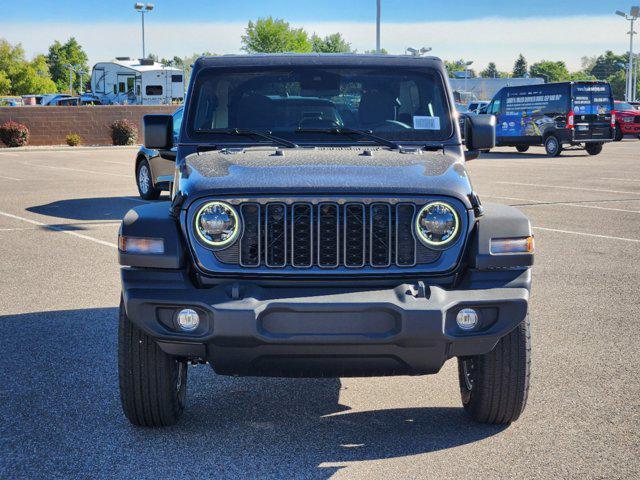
[246, 329]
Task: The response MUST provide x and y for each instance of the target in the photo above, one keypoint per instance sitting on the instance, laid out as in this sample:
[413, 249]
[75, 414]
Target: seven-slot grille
[328, 235]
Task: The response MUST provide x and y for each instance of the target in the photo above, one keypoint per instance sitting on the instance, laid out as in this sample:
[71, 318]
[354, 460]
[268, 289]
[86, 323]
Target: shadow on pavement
[514, 155]
[99, 208]
[61, 415]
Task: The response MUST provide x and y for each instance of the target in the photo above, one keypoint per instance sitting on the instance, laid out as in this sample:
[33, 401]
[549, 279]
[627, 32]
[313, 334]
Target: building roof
[135, 64]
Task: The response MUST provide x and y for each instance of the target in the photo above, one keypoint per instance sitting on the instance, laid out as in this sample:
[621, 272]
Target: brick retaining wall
[51, 125]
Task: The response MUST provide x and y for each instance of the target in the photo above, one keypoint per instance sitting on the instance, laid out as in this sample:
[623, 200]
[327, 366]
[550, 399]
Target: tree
[269, 35]
[520, 67]
[491, 71]
[383, 51]
[607, 64]
[60, 56]
[458, 66]
[550, 71]
[21, 77]
[333, 43]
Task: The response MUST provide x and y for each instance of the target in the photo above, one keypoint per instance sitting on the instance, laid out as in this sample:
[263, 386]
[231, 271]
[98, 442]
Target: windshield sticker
[426, 123]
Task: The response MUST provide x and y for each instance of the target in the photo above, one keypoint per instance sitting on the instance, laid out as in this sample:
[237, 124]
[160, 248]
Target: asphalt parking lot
[61, 417]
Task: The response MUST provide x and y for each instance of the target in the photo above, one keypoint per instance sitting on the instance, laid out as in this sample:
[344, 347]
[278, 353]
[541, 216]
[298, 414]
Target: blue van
[577, 114]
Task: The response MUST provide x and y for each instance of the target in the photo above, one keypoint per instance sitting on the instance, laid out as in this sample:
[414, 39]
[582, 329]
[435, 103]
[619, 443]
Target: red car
[627, 120]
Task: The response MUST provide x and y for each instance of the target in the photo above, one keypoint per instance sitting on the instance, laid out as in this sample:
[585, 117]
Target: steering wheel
[390, 125]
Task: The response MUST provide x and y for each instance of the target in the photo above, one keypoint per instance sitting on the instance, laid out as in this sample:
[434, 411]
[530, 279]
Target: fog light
[467, 319]
[188, 319]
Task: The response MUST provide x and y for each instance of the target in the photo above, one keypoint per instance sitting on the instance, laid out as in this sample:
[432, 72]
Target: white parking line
[11, 178]
[569, 188]
[59, 229]
[620, 179]
[535, 203]
[77, 170]
[624, 239]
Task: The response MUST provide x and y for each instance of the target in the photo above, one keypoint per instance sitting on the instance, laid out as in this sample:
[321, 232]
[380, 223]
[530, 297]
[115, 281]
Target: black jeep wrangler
[322, 223]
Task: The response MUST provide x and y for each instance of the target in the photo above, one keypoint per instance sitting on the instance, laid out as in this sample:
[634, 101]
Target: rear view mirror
[158, 132]
[480, 134]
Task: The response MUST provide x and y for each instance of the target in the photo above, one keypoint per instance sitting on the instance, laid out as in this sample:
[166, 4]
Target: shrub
[124, 132]
[14, 134]
[73, 139]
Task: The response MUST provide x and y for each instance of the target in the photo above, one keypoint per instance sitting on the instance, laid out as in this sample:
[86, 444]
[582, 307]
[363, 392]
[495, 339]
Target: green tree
[608, 64]
[383, 51]
[21, 77]
[618, 83]
[491, 71]
[581, 75]
[60, 56]
[520, 67]
[333, 43]
[5, 83]
[458, 66]
[550, 71]
[269, 35]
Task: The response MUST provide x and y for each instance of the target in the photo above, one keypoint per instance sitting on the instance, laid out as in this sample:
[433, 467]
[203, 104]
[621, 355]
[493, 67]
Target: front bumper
[247, 329]
[630, 128]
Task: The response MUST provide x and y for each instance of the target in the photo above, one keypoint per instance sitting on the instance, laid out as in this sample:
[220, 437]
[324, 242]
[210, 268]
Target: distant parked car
[627, 120]
[476, 107]
[155, 169]
[85, 99]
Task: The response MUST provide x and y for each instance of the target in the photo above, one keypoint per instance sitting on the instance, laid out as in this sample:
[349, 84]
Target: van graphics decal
[592, 99]
[528, 112]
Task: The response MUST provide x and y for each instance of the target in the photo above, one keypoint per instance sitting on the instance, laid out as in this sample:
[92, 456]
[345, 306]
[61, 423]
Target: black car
[323, 224]
[154, 170]
[578, 114]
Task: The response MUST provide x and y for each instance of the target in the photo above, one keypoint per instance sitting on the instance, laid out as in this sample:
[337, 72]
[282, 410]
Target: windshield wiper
[254, 133]
[351, 131]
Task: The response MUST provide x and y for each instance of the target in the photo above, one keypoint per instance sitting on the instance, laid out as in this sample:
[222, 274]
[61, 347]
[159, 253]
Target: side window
[177, 121]
[122, 87]
[494, 108]
[115, 89]
[153, 90]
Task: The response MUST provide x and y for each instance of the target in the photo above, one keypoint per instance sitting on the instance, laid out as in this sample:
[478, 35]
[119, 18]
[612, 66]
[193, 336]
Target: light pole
[417, 53]
[143, 8]
[466, 73]
[378, 50]
[631, 79]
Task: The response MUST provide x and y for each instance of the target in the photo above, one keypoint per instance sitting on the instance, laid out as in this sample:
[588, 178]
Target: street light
[416, 53]
[143, 8]
[378, 7]
[631, 78]
[466, 73]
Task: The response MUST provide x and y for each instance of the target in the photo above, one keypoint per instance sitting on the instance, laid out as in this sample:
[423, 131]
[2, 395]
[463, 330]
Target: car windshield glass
[294, 103]
[624, 106]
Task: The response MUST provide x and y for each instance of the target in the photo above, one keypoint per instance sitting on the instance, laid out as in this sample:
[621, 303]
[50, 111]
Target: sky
[480, 30]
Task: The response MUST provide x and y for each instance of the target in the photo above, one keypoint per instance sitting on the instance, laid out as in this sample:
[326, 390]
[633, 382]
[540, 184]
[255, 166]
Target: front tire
[593, 148]
[522, 148]
[494, 386]
[552, 146]
[153, 385]
[619, 135]
[144, 180]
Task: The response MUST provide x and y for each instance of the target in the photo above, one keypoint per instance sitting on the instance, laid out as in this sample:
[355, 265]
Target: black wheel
[619, 135]
[145, 182]
[553, 146]
[494, 386]
[153, 385]
[593, 148]
[522, 148]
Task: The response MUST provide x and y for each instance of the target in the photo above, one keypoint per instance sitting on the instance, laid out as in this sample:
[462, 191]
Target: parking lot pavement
[61, 417]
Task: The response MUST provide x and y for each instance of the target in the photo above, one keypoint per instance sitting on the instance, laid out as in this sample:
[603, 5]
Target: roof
[135, 65]
[319, 59]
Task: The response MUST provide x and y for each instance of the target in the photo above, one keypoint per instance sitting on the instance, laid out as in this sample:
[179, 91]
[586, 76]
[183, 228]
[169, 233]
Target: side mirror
[480, 134]
[158, 132]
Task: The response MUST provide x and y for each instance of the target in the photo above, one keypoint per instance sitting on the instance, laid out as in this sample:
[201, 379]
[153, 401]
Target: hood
[328, 170]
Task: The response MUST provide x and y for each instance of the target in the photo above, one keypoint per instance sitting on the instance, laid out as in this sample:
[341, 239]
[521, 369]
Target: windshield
[624, 106]
[592, 98]
[298, 103]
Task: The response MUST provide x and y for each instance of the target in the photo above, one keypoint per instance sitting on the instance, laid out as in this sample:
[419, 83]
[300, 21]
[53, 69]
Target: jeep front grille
[327, 235]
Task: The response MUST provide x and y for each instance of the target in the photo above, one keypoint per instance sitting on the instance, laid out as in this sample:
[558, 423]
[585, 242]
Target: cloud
[482, 40]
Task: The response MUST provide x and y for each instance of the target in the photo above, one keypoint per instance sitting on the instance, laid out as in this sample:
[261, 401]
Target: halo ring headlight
[437, 224]
[217, 224]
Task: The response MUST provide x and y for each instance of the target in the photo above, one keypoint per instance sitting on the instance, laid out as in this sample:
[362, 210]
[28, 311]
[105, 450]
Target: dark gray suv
[322, 223]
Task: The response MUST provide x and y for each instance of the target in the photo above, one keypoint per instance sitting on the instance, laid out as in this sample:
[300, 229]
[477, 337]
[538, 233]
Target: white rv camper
[136, 82]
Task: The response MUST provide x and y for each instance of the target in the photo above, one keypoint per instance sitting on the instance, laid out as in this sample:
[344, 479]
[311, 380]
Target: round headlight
[217, 224]
[437, 224]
